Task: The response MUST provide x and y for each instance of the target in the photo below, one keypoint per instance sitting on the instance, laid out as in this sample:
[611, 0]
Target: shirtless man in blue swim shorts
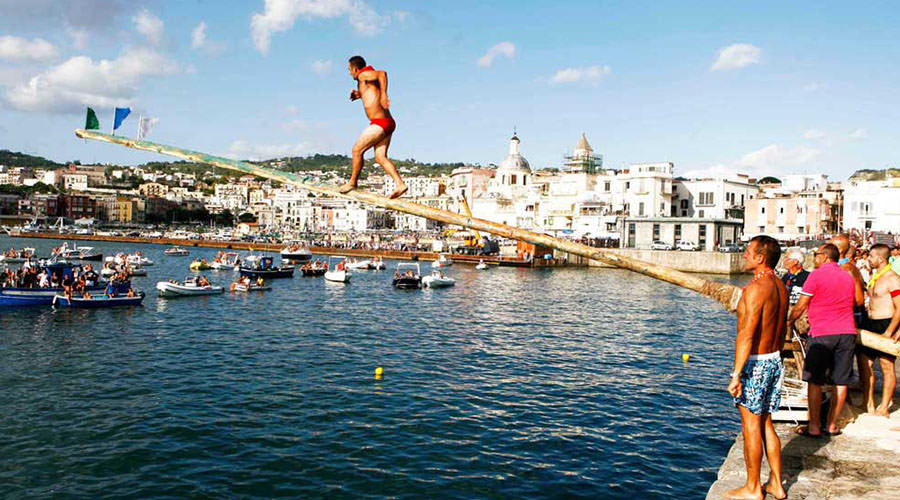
[758, 371]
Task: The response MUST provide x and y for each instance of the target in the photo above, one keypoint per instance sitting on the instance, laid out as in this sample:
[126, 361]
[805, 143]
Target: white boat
[176, 251]
[137, 271]
[338, 273]
[241, 287]
[229, 261]
[296, 253]
[138, 259]
[377, 264]
[436, 280]
[186, 288]
[358, 264]
[481, 265]
[443, 261]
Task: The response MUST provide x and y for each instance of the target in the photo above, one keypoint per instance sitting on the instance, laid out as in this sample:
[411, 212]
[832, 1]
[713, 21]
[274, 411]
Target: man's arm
[894, 289]
[799, 308]
[382, 85]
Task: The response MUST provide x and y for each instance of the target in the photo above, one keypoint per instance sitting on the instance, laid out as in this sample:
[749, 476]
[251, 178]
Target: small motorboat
[135, 271]
[200, 265]
[228, 261]
[314, 269]
[296, 253]
[190, 286]
[338, 273]
[481, 265]
[442, 261]
[97, 301]
[138, 259]
[437, 280]
[376, 264]
[256, 266]
[407, 276]
[14, 256]
[176, 251]
[244, 287]
[77, 253]
[354, 264]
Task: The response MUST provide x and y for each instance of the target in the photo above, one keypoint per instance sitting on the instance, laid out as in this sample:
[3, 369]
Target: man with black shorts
[883, 317]
[828, 297]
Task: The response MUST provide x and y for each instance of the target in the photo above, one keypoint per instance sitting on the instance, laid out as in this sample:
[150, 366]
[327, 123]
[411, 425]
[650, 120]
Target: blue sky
[767, 88]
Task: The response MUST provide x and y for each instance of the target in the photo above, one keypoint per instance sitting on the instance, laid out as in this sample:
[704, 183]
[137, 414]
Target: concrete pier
[689, 262]
[863, 463]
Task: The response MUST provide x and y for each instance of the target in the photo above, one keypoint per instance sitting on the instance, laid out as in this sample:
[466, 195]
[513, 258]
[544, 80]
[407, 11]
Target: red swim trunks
[388, 124]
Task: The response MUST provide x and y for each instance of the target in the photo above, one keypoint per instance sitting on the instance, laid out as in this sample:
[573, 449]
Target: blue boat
[264, 267]
[24, 297]
[97, 301]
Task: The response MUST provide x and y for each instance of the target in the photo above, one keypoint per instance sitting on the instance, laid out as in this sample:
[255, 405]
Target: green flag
[91, 123]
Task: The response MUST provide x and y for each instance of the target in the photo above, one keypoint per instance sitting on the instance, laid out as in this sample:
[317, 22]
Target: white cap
[795, 253]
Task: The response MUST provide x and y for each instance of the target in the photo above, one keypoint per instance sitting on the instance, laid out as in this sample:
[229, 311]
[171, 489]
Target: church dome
[514, 161]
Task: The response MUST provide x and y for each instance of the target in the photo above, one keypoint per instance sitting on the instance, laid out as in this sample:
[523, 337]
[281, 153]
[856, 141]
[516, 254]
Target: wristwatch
[735, 374]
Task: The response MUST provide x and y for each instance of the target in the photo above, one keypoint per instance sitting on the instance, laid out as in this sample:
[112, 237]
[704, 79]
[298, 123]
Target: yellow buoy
[379, 372]
[685, 357]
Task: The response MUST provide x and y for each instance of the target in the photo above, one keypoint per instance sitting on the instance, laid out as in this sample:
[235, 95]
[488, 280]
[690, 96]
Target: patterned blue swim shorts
[761, 379]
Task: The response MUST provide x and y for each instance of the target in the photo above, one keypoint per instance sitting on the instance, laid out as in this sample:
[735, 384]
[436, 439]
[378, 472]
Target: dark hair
[831, 252]
[769, 247]
[883, 250]
[358, 62]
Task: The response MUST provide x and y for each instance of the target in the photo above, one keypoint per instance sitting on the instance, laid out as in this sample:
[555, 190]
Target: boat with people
[97, 301]
[138, 259]
[314, 269]
[296, 253]
[13, 256]
[376, 264]
[257, 266]
[437, 280]
[482, 265]
[244, 284]
[19, 290]
[407, 276]
[176, 251]
[227, 261]
[356, 265]
[192, 285]
[76, 252]
[442, 261]
[338, 273]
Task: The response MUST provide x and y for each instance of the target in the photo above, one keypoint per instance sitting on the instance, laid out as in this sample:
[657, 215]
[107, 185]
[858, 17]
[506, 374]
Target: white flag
[145, 125]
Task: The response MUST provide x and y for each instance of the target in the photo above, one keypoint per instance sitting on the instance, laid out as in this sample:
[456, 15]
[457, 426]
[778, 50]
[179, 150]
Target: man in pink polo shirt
[828, 295]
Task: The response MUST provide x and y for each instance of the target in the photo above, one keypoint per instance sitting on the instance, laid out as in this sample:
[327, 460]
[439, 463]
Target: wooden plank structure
[724, 293]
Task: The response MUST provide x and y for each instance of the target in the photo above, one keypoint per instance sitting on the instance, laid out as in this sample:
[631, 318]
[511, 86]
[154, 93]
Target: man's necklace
[763, 274]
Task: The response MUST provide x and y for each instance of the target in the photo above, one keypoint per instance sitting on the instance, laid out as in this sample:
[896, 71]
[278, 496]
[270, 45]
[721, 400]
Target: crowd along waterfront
[514, 383]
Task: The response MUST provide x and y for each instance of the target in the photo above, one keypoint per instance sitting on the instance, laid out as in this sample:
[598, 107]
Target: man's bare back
[767, 300]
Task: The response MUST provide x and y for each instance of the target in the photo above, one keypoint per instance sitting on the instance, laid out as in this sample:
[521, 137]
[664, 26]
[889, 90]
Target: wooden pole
[726, 294]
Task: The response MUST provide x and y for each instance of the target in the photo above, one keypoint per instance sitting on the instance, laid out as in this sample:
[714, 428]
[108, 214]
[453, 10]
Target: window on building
[762, 209]
[684, 213]
[513, 180]
[631, 235]
[702, 239]
[801, 230]
[702, 214]
[655, 232]
[781, 210]
[742, 199]
[684, 203]
[677, 231]
[780, 229]
[662, 207]
[606, 186]
[628, 185]
[641, 209]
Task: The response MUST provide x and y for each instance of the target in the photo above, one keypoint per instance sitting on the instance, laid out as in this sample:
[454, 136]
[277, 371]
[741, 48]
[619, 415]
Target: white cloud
[507, 49]
[814, 134]
[777, 156]
[149, 25]
[280, 15]
[79, 37]
[255, 152]
[13, 48]
[587, 74]
[736, 56]
[859, 133]
[198, 35]
[321, 68]
[79, 82]
[291, 110]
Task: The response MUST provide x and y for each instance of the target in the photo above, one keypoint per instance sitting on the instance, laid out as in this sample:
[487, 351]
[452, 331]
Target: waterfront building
[74, 182]
[708, 234]
[419, 187]
[126, 210]
[789, 215]
[872, 201]
[509, 198]
[153, 190]
[583, 158]
[715, 198]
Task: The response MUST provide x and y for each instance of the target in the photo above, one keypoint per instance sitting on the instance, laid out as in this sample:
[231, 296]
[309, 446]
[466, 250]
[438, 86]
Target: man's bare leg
[773, 456]
[381, 157]
[889, 383]
[839, 395]
[751, 428]
[814, 400]
[867, 382]
[369, 138]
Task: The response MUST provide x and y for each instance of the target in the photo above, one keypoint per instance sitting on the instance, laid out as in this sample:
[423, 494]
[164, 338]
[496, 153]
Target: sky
[762, 88]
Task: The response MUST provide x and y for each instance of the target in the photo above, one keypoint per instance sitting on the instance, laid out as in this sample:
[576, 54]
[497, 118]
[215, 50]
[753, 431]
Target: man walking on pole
[372, 89]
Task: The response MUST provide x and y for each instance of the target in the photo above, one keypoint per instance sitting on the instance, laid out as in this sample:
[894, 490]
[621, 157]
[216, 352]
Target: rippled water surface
[516, 383]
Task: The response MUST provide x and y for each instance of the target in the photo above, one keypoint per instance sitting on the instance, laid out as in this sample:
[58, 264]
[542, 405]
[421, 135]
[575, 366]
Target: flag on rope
[121, 114]
[91, 122]
[145, 125]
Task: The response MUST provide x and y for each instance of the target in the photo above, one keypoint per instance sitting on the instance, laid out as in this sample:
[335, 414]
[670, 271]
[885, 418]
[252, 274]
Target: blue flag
[121, 114]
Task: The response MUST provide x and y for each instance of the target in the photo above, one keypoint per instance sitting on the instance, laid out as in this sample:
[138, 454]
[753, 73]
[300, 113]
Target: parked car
[686, 246]
[730, 248]
[661, 245]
